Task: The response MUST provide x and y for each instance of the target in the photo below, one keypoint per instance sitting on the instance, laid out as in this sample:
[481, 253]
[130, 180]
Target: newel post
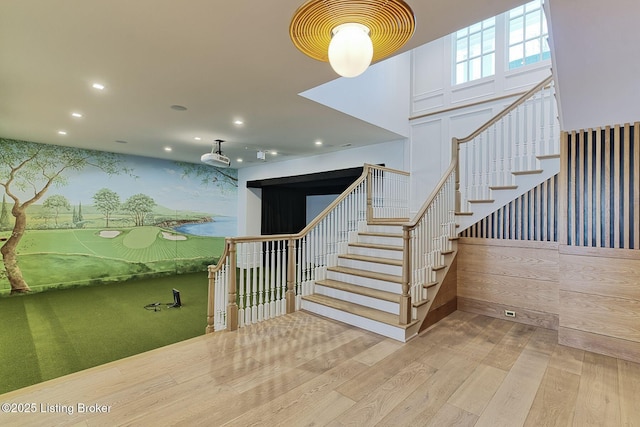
[369, 193]
[291, 293]
[232, 305]
[455, 155]
[405, 299]
[211, 307]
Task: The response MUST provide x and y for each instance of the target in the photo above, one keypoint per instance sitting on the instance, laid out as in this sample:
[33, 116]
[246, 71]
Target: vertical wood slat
[564, 185]
[607, 186]
[571, 214]
[626, 182]
[580, 173]
[636, 185]
[598, 219]
[589, 192]
[616, 187]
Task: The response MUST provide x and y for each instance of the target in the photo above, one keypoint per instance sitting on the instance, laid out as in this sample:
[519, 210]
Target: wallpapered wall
[72, 217]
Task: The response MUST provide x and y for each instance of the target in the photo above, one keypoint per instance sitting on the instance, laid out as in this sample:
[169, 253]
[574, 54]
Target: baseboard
[528, 317]
[602, 344]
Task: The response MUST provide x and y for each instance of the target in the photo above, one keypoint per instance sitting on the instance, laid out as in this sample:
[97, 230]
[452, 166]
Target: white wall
[378, 96]
[392, 154]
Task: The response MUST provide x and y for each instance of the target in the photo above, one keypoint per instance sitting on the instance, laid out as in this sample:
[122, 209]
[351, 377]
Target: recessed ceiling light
[168, 149]
[274, 153]
[238, 122]
[178, 107]
[239, 160]
[318, 142]
[197, 138]
[62, 132]
[78, 115]
[98, 86]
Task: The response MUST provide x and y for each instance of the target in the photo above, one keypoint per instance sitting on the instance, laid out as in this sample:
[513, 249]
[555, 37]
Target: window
[527, 35]
[475, 51]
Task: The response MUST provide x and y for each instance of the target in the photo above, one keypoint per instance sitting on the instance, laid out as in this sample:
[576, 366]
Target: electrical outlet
[510, 313]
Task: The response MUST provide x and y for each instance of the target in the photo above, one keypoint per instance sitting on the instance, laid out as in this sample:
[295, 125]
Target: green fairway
[77, 257]
[49, 334]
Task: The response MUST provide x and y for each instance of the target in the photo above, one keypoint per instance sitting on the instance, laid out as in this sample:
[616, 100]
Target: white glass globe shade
[350, 50]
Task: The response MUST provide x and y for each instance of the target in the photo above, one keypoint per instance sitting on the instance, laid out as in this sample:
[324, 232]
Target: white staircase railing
[425, 240]
[512, 141]
[261, 277]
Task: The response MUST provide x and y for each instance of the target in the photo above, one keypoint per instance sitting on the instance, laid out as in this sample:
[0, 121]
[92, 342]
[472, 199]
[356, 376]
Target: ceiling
[222, 60]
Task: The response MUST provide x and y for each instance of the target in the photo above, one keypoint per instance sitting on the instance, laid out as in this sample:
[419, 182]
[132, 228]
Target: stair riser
[388, 306]
[381, 285]
[370, 266]
[380, 240]
[395, 333]
[379, 253]
[384, 228]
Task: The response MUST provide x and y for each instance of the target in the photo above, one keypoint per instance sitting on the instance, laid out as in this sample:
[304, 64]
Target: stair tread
[379, 234]
[464, 213]
[376, 246]
[429, 284]
[503, 187]
[528, 172]
[548, 156]
[359, 310]
[367, 258]
[360, 290]
[366, 273]
[481, 201]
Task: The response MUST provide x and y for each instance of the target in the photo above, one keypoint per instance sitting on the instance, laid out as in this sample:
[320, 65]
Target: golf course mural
[72, 217]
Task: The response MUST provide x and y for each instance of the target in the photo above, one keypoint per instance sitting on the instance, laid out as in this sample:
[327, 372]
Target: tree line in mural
[33, 169]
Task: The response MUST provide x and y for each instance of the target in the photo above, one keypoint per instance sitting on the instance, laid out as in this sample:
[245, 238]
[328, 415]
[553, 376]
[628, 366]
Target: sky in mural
[160, 179]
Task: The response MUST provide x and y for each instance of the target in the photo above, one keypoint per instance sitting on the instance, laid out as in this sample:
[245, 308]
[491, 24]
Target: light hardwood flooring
[467, 370]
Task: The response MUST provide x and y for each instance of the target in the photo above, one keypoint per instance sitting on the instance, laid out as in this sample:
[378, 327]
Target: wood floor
[468, 370]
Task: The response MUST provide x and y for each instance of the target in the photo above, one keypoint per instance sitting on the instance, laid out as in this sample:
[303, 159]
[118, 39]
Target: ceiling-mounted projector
[216, 158]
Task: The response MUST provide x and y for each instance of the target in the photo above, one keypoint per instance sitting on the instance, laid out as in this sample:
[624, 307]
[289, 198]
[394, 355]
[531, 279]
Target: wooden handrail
[322, 215]
[507, 110]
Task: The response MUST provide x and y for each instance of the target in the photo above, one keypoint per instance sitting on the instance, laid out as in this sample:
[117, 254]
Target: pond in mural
[222, 226]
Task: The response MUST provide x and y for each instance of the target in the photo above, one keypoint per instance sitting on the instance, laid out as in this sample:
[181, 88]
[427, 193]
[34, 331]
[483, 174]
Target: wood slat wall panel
[612, 317]
[497, 275]
[601, 169]
[529, 217]
[600, 276]
[527, 293]
[528, 263]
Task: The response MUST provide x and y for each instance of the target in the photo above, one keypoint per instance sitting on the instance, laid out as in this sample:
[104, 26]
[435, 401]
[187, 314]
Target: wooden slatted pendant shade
[391, 24]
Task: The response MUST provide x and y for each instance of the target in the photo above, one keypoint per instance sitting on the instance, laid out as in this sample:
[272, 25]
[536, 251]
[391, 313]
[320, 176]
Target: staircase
[362, 261]
[364, 289]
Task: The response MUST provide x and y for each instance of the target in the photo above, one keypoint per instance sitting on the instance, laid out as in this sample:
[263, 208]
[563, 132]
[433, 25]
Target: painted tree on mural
[220, 178]
[56, 203]
[27, 171]
[5, 222]
[138, 206]
[106, 202]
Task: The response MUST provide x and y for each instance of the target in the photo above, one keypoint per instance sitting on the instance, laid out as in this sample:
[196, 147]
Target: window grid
[527, 35]
[475, 51]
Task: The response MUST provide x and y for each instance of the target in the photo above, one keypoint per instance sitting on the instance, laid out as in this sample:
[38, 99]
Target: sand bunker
[109, 234]
[170, 236]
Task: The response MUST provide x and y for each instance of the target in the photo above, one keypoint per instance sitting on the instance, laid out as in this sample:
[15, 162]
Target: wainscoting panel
[532, 216]
[600, 299]
[520, 276]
